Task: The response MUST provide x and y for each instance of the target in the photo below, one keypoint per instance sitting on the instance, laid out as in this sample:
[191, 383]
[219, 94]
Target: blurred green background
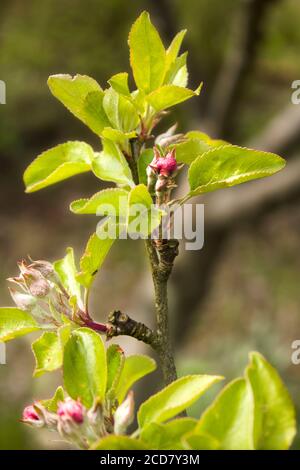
[241, 292]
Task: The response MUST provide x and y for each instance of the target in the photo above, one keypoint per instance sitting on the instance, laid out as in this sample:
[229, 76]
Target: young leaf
[116, 198]
[169, 95]
[114, 442]
[92, 259]
[174, 48]
[48, 353]
[66, 270]
[200, 442]
[93, 114]
[111, 107]
[274, 412]
[115, 363]
[197, 144]
[15, 322]
[119, 83]
[48, 350]
[117, 136]
[111, 165]
[143, 216]
[230, 165]
[229, 419]
[135, 367]
[82, 96]
[168, 436]
[121, 112]
[178, 73]
[174, 398]
[84, 366]
[147, 54]
[52, 403]
[144, 160]
[57, 164]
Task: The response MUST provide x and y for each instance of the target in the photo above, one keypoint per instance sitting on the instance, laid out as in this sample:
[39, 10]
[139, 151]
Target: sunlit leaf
[169, 95]
[84, 366]
[230, 165]
[119, 83]
[92, 259]
[135, 367]
[101, 202]
[147, 54]
[229, 419]
[83, 96]
[111, 165]
[15, 322]
[67, 271]
[57, 164]
[174, 398]
[274, 412]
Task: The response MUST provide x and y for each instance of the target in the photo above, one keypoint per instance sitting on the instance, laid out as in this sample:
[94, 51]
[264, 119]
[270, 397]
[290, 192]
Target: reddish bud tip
[166, 165]
[71, 409]
[30, 414]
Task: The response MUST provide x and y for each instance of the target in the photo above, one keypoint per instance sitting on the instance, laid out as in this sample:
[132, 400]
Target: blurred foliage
[257, 304]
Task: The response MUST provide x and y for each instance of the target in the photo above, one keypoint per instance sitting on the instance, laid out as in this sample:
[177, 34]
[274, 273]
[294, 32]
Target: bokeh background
[241, 292]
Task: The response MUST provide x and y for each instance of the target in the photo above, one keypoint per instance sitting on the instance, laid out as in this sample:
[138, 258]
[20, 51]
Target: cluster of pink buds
[73, 421]
[161, 173]
[39, 292]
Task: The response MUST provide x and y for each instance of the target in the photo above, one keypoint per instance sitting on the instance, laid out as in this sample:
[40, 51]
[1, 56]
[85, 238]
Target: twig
[121, 324]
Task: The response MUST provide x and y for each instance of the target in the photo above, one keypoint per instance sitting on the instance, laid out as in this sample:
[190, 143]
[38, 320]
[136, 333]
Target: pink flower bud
[71, 409]
[165, 166]
[29, 414]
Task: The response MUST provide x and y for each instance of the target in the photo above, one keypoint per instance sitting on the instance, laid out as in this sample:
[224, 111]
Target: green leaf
[144, 160]
[120, 111]
[57, 164]
[93, 114]
[229, 419]
[143, 216]
[128, 116]
[174, 48]
[200, 442]
[135, 367]
[52, 403]
[48, 351]
[119, 83]
[111, 107]
[84, 366]
[174, 398]
[274, 412]
[92, 259]
[167, 436]
[119, 443]
[230, 165]
[100, 203]
[115, 363]
[66, 270]
[178, 73]
[82, 96]
[197, 144]
[169, 95]
[117, 136]
[111, 165]
[15, 322]
[147, 54]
